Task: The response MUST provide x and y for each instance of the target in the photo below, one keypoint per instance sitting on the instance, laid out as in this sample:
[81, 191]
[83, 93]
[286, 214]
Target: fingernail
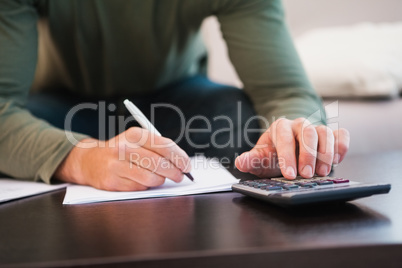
[290, 172]
[337, 157]
[308, 171]
[323, 170]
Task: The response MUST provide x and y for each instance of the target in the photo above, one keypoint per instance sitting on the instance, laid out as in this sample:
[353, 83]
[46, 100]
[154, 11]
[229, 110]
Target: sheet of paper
[209, 176]
[13, 189]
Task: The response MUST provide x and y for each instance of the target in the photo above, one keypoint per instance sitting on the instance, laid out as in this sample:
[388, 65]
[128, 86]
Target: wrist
[70, 169]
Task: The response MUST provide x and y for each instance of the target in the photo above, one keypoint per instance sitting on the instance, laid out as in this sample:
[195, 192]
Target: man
[100, 52]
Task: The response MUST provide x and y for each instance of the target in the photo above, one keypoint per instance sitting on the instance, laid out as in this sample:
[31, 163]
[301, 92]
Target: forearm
[290, 103]
[30, 148]
[262, 51]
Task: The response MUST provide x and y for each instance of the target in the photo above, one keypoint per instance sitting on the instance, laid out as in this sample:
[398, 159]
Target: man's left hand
[295, 147]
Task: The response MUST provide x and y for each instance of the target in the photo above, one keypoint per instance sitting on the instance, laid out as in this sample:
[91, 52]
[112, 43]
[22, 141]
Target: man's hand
[134, 160]
[291, 147]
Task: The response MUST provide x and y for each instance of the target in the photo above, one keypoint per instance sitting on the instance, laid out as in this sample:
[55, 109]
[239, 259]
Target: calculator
[300, 191]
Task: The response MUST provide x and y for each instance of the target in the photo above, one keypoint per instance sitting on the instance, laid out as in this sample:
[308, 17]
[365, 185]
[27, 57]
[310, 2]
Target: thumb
[246, 162]
[259, 163]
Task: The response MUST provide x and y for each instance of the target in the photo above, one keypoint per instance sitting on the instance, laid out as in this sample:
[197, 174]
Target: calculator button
[307, 184]
[250, 183]
[260, 185]
[326, 182]
[272, 188]
[290, 186]
[339, 180]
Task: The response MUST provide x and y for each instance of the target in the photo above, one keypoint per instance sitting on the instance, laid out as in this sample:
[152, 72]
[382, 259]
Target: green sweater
[115, 47]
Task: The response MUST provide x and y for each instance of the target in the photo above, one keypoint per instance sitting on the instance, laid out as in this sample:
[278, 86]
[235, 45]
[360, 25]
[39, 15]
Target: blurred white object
[373, 125]
[11, 189]
[220, 69]
[364, 60]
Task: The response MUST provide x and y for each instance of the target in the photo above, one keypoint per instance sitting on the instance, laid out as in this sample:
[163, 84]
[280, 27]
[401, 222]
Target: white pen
[145, 123]
[140, 117]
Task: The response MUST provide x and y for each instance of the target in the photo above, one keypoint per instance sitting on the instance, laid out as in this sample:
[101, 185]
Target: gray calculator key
[290, 186]
[307, 184]
[325, 182]
[272, 188]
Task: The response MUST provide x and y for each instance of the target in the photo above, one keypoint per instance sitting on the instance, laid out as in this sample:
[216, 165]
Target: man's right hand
[132, 161]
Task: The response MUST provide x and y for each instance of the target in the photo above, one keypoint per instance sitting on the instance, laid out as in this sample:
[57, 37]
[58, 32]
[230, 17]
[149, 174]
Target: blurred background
[352, 52]
[304, 15]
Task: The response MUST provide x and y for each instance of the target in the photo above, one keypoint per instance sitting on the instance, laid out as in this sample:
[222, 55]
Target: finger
[325, 156]
[160, 145]
[155, 163]
[307, 138]
[284, 141]
[140, 175]
[262, 160]
[117, 183]
[244, 161]
[250, 161]
[342, 141]
[256, 162]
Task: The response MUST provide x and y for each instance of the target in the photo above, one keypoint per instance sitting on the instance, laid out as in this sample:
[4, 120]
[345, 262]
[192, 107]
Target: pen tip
[189, 176]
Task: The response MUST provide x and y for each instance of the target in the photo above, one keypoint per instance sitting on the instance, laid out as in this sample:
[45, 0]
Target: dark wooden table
[211, 230]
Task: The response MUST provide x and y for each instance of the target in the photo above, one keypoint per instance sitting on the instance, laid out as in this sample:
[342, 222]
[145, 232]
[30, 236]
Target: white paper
[13, 189]
[209, 176]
